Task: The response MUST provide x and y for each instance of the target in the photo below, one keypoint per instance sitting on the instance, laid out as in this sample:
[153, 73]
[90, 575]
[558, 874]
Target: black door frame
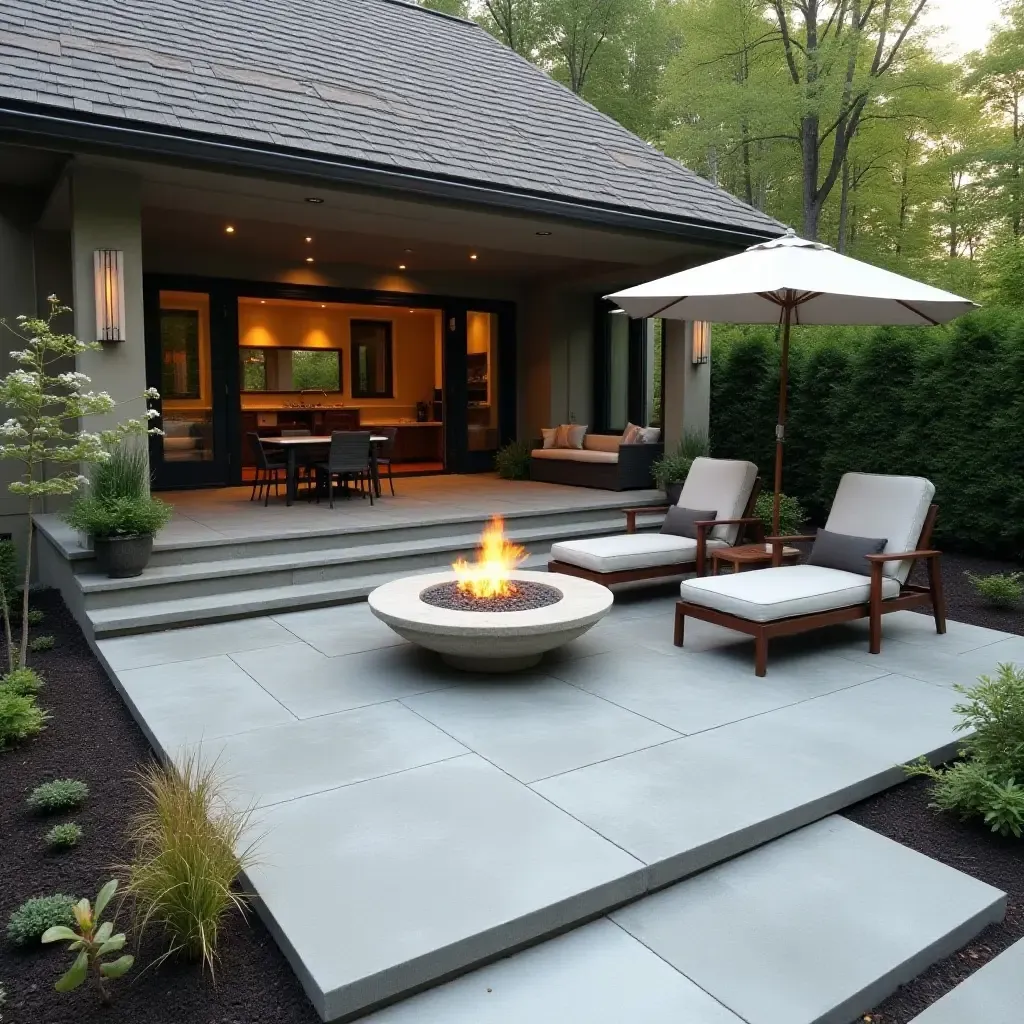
[636, 386]
[224, 295]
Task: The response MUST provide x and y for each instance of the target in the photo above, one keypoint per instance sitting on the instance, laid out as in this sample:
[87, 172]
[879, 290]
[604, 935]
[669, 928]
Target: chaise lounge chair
[895, 511]
[725, 489]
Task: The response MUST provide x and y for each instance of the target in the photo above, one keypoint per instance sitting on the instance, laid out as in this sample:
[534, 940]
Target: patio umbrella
[791, 280]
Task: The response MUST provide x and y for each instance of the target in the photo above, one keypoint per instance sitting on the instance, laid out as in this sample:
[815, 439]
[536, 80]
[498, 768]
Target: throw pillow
[562, 436]
[632, 434]
[682, 522]
[845, 552]
[576, 434]
[650, 435]
[548, 433]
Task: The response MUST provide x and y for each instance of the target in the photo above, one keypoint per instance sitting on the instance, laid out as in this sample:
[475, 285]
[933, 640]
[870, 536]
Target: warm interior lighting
[496, 558]
[309, 259]
[108, 270]
[323, 305]
[229, 229]
[472, 255]
[263, 302]
[701, 342]
[401, 266]
[309, 238]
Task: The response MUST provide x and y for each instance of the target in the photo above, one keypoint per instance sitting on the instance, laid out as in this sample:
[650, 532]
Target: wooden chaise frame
[910, 596]
[654, 572]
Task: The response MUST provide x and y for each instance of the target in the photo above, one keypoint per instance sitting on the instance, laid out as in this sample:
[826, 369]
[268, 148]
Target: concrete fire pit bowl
[491, 641]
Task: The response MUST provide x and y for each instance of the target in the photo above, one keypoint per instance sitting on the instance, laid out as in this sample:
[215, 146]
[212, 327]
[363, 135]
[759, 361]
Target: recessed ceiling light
[229, 230]
[323, 305]
[472, 255]
[314, 199]
[401, 266]
[407, 250]
[263, 302]
[543, 233]
[309, 259]
[412, 310]
[309, 238]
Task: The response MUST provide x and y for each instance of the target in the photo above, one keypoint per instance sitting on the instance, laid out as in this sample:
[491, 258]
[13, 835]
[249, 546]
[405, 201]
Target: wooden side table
[749, 556]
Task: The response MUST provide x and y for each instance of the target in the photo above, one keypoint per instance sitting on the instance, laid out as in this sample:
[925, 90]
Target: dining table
[293, 445]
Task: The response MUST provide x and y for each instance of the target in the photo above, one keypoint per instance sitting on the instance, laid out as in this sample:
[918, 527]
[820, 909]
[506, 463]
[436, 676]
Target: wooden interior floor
[399, 469]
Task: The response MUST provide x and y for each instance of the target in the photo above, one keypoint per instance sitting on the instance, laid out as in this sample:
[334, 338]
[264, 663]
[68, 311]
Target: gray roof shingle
[377, 81]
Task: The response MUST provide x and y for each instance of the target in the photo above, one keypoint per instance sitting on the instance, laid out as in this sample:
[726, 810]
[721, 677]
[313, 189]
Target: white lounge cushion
[874, 505]
[723, 485]
[602, 443]
[575, 455]
[766, 595]
[628, 551]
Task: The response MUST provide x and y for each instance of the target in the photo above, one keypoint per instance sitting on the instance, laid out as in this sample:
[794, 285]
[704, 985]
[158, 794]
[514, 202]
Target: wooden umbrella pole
[780, 429]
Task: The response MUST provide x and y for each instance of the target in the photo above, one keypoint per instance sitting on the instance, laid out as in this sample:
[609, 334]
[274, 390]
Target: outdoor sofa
[603, 462]
[895, 512]
[724, 489]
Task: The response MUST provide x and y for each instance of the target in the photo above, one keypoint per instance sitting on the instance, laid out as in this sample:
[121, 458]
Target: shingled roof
[381, 83]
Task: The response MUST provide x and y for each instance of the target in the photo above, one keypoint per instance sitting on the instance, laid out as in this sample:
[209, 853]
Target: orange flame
[496, 557]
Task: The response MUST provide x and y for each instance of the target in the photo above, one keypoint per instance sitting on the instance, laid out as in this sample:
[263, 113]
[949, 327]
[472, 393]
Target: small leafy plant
[30, 921]
[1001, 589]
[513, 461]
[92, 941]
[64, 837]
[23, 681]
[20, 717]
[186, 861]
[984, 782]
[791, 514]
[35, 617]
[58, 795]
[673, 467]
[41, 643]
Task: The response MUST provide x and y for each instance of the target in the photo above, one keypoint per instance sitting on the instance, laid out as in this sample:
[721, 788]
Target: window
[372, 359]
[289, 369]
[179, 344]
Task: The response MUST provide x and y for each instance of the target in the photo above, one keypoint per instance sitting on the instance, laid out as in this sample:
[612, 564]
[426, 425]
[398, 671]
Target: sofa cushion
[632, 434]
[570, 435]
[548, 435]
[724, 484]
[574, 455]
[682, 522]
[841, 551]
[650, 435]
[602, 443]
[783, 591]
[873, 505]
[627, 551]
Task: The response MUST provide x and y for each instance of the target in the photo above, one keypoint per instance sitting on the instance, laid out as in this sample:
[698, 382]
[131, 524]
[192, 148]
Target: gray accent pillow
[681, 522]
[845, 552]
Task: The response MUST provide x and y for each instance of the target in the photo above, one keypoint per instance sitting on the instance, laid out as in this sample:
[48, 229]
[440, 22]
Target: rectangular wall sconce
[701, 342]
[108, 268]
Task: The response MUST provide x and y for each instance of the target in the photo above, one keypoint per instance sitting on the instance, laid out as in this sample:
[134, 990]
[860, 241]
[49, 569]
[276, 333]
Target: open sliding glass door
[185, 363]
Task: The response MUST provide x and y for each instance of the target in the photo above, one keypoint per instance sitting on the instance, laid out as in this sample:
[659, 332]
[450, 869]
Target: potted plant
[119, 514]
[791, 514]
[670, 471]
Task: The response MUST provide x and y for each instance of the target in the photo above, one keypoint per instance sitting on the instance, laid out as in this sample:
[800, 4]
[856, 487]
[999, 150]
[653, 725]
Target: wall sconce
[108, 269]
[701, 342]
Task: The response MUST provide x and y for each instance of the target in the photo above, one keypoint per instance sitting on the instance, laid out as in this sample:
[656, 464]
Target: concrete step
[237, 604]
[168, 583]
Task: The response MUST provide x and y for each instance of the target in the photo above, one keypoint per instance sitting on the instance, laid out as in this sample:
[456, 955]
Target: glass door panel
[482, 425]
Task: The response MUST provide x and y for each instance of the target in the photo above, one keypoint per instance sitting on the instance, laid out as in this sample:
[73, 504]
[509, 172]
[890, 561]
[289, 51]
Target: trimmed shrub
[513, 461]
[41, 643]
[23, 681]
[63, 837]
[28, 923]
[20, 717]
[59, 795]
[674, 467]
[791, 513]
[1001, 589]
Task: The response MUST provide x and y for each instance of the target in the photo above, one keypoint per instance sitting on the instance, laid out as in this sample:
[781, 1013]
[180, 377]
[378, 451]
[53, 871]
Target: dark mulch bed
[903, 814]
[92, 737]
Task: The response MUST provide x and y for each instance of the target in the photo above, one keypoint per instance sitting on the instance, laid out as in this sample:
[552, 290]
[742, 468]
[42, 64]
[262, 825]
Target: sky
[967, 23]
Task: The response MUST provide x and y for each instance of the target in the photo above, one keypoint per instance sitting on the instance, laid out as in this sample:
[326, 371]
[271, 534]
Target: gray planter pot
[121, 557]
[673, 490]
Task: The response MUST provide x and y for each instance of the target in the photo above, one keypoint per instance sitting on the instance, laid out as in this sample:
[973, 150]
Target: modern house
[314, 215]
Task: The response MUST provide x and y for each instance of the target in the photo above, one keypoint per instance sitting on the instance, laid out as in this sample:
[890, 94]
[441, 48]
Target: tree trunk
[23, 658]
[1016, 197]
[844, 203]
[809, 160]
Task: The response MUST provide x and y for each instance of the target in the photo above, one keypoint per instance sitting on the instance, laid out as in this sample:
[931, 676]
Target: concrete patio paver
[757, 778]
[349, 629]
[992, 995]
[536, 727]
[384, 885]
[298, 758]
[815, 928]
[597, 974]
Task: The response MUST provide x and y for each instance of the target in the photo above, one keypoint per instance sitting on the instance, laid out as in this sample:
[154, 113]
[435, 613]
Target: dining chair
[304, 460]
[268, 466]
[386, 452]
[348, 460]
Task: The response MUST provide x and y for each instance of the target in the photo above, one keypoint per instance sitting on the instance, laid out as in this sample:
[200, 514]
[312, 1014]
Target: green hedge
[947, 404]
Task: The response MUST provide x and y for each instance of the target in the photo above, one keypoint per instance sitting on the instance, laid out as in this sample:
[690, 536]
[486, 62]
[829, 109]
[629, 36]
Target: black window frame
[389, 359]
[339, 353]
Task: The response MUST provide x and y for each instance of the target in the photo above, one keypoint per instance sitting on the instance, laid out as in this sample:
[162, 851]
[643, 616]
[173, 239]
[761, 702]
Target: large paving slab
[335, 631]
[816, 927]
[993, 995]
[684, 805]
[380, 887]
[597, 974]
[536, 726]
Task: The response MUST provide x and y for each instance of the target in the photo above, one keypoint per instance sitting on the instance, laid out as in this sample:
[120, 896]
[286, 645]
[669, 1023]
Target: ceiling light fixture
[263, 302]
[309, 238]
[323, 305]
[543, 234]
[229, 230]
[407, 251]
[401, 266]
[309, 259]
[472, 255]
[316, 200]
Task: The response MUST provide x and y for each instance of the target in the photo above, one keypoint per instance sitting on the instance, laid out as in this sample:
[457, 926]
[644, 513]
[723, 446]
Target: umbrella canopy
[786, 281]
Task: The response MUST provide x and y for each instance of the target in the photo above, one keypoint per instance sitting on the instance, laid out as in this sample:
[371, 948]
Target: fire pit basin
[491, 641]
